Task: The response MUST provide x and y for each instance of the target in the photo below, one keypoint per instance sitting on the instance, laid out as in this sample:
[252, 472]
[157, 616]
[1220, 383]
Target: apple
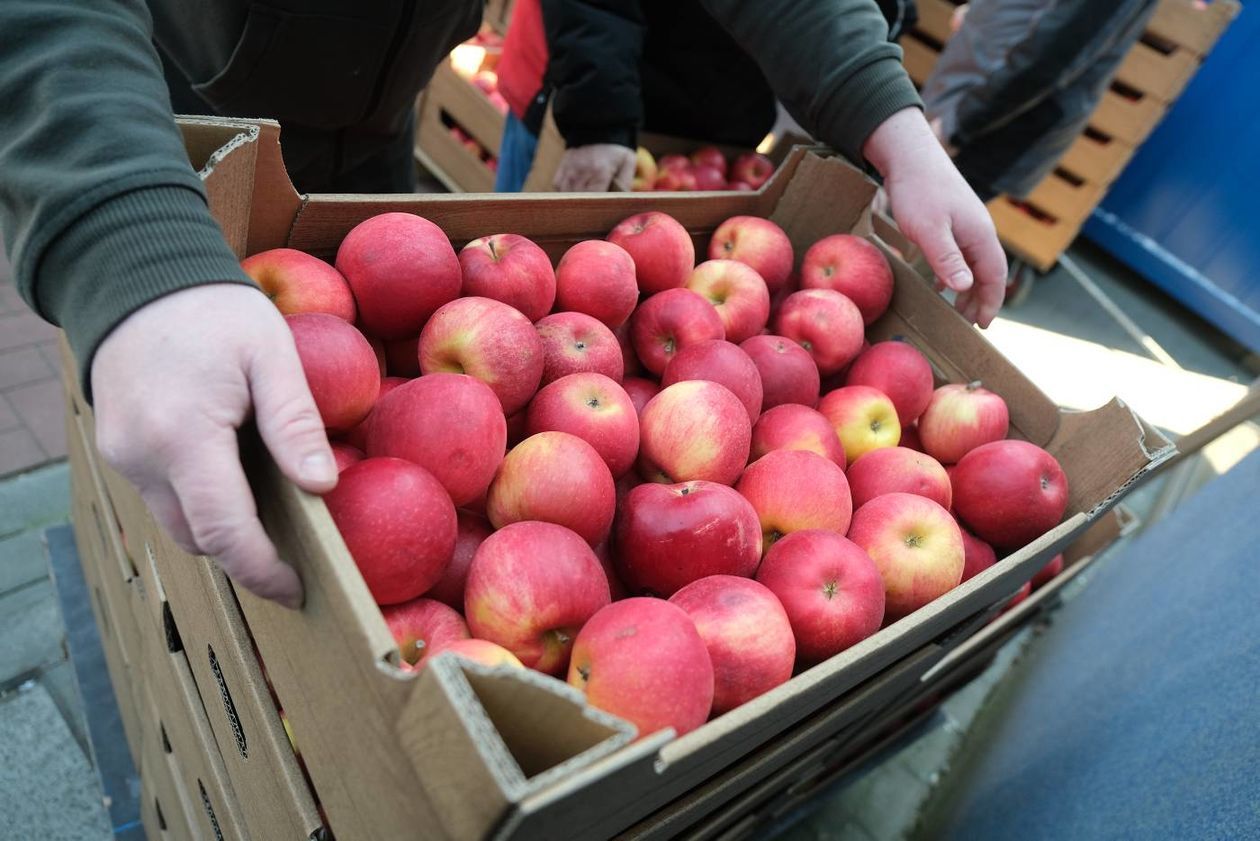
[753, 169]
[401, 268]
[421, 627]
[630, 365]
[644, 172]
[674, 162]
[643, 660]
[345, 455]
[574, 342]
[1047, 572]
[694, 429]
[378, 350]
[531, 587]
[710, 156]
[746, 632]
[757, 242]
[708, 177]
[1020, 594]
[910, 438]
[511, 269]
[738, 294]
[357, 436]
[597, 278]
[640, 391]
[826, 324]
[795, 490]
[450, 424]
[675, 179]
[604, 552]
[402, 357]
[739, 186]
[916, 545]
[670, 321]
[297, 282]
[863, 418]
[488, 340]
[898, 470]
[796, 427]
[339, 365]
[960, 418]
[852, 266]
[788, 372]
[479, 651]
[472, 530]
[720, 362]
[486, 81]
[516, 426]
[398, 524]
[901, 371]
[594, 408]
[661, 248]
[671, 535]
[554, 477]
[977, 555]
[830, 589]
[1010, 492]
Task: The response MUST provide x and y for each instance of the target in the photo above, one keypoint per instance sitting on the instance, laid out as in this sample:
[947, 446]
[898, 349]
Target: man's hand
[938, 211]
[595, 168]
[172, 384]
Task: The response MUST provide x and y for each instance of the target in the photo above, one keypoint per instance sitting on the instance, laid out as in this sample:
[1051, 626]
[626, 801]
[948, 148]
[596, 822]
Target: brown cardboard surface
[157, 770]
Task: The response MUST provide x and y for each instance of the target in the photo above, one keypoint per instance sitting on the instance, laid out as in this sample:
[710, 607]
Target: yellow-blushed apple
[298, 282]
[757, 242]
[960, 418]
[863, 417]
[738, 294]
[479, 651]
[694, 429]
[792, 426]
[421, 627]
[795, 490]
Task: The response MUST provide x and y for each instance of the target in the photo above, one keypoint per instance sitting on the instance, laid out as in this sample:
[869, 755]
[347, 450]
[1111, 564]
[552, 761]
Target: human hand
[595, 168]
[172, 384]
[938, 211]
[958, 17]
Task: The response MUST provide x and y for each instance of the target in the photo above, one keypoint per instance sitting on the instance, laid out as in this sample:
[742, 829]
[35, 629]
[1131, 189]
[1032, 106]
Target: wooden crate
[452, 101]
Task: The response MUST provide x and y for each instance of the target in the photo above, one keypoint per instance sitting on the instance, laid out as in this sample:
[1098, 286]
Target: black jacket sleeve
[100, 210]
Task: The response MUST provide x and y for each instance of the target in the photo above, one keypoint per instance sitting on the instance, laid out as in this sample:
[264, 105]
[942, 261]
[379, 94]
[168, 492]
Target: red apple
[297, 282]
[910, 438]
[479, 651]
[898, 470]
[788, 372]
[960, 418]
[1010, 492]
[357, 437]
[739, 186]
[852, 266]
[916, 545]
[694, 429]
[795, 490]
[554, 477]
[449, 589]
[450, 424]
[511, 269]
[675, 180]
[795, 427]
[738, 294]
[1047, 572]
[753, 169]
[576, 343]
[826, 324]
[1020, 594]
[402, 357]
[663, 252]
[720, 362]
[977, 555]
[757, 242]
[643, 660]
[397, 523]
[830, 589]
[710, 156]
[421, 627]
[378, 350]
[595, 409]
[671, 535]
[674, 162]
[669, 321]
[645, 170]
[746, 632]
[339, 365]
[630, 365]
[516, 426]
[615, 586]
[531, 587]
[488, 340]
[899, 370]
[708, 177]
[345, 455]
[401, 268]
[640, 391]
[863, 417]
[597, 278]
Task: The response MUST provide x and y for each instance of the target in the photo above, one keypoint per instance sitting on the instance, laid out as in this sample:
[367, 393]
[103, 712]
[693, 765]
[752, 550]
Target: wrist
[905, 136]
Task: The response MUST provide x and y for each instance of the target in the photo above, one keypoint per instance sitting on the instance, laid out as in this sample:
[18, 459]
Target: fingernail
[317, 467]
[960, 281]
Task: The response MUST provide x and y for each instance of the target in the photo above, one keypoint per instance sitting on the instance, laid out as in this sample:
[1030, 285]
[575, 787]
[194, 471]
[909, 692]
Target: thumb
[946, 260]
[288, 420]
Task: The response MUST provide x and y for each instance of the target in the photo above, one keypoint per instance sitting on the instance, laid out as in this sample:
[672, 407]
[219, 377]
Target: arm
[111, 239]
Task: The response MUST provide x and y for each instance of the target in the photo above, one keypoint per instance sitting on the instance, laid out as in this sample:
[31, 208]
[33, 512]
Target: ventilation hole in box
[1097, 136]
[157, 807]
[1032, 210]
[322, 834]
[166, 742]
[1127, 91]
[170, 630]
[1074, 180]
[229, 706]
[1158, 44]
[467, 141]
[927, 39]
[210, 816]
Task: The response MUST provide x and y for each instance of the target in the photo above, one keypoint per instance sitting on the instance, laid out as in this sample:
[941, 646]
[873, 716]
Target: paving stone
[42, 408]
[30, 625]
[47, 787]
[22, 560]
[888, 806]
[36, 499]
[24, 328]
[8, 417]
[19, 451]
[63, 688]
[929, 754]
[10, 300]
[23, 365]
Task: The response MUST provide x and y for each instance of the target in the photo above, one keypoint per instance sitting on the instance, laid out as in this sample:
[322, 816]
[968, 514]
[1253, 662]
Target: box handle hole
[229, 706]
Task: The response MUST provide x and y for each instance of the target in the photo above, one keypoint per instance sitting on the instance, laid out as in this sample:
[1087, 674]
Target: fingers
[988, 261]
[217, 504]
[287, 418]
[946, 260]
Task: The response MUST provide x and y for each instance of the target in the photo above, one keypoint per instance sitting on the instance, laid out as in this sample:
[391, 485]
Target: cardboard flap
[526, 730]
[224, 153]
[820, 181]
[1103, 452]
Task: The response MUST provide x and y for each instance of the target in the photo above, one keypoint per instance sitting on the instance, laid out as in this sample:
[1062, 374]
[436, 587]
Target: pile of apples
[672, 484]
[706, 169]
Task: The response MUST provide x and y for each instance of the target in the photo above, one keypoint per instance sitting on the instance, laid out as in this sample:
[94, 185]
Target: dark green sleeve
[100, 210]
[830, 64]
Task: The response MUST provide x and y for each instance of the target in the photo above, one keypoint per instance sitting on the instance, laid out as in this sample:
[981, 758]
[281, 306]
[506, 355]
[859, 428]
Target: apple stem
[973, 385]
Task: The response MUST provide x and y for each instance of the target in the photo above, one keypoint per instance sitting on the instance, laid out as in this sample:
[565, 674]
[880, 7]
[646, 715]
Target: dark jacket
[1016, 85]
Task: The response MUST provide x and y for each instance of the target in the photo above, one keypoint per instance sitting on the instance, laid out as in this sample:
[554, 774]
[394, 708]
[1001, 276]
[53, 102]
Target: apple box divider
[462, 751]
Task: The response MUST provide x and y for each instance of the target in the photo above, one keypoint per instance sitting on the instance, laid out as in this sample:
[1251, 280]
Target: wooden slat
[934, 18]
[1191, 25]
[1095, 160]
[1130, 120]
[1039, 242]
[1163, 76]
[918, 58]
[1064, 200]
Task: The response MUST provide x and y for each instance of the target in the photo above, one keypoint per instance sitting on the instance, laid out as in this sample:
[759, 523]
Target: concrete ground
[1173, 368]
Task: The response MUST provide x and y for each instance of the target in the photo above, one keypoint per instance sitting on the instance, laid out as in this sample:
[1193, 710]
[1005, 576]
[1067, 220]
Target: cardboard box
[468, 752]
